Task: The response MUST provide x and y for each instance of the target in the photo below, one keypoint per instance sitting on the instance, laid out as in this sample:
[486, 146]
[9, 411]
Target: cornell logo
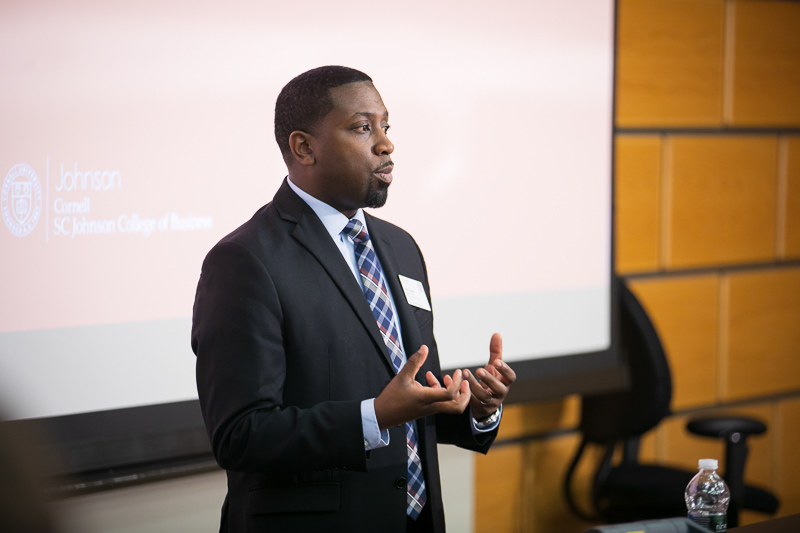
[21, 200]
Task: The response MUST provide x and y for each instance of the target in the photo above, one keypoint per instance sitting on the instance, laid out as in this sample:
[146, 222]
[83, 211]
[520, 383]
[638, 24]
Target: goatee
[377, 192]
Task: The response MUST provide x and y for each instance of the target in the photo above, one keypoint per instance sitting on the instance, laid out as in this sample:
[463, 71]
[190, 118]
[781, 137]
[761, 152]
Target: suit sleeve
[457, 430]
[241, 369]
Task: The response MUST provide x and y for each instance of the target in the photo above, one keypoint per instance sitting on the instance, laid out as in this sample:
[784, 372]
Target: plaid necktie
[378, 298]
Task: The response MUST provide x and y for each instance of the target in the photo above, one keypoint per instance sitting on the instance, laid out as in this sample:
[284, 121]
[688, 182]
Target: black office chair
[629, 490]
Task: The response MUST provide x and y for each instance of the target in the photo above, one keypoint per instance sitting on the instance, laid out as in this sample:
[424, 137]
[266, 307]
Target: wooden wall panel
[763, 338]
[637, 201]
[787, 464]
[722, 200]
[684, 310]
[669, 63]
[791, 202]
[499, 490]
[680, 448]
[766, 63]
[539, 417]
[546, 462]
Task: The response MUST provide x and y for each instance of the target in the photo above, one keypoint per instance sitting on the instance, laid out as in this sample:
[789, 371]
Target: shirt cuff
[486, 429]
[373, 436]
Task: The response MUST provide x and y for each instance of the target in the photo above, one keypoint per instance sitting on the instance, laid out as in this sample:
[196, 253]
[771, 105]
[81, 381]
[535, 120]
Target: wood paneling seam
[715, 131]
[714, 269]
[728, 61]
[777, 434]
[723, 329]
[782, 197]
[665, 182]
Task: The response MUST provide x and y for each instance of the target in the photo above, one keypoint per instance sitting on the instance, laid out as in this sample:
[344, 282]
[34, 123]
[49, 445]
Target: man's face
[352, 151]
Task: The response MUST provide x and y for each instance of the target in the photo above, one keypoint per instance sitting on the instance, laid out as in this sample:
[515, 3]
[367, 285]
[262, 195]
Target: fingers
[496, 348]
[457, 378]
[506, 373]
[458, 390]
[464, 396]
[495, 386]
[495, 380]
[496, 367]
[450, 383]
[430, 396]
[453, 398]
[405, 399]
[434, 383]
[415, 362]
[453, 384]
[481, 393]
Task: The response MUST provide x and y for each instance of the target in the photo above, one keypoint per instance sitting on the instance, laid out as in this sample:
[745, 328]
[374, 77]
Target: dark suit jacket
[287, 348]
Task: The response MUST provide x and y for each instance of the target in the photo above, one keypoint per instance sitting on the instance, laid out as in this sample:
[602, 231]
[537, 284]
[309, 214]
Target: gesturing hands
[491, 385]
[404, 399]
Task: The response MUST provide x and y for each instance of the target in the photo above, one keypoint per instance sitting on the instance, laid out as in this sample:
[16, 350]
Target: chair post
[735, 457]
[630, 450]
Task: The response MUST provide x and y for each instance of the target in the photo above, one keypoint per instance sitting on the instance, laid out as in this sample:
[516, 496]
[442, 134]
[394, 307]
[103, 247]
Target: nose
[383, 146]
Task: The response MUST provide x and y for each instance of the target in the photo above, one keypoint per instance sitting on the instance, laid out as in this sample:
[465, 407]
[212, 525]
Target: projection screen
[137, 134]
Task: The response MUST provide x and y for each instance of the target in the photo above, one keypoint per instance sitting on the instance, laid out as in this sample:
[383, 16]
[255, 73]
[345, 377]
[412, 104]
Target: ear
[300, 145]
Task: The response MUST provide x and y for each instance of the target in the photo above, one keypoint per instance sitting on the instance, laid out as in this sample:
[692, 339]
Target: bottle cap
[708, 464]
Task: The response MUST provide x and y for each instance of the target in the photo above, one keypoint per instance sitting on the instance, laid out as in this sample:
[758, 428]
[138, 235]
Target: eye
[386, 128]
[364, 128]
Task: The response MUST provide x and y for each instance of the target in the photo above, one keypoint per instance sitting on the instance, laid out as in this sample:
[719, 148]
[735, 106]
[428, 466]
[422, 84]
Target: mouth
[384, 172]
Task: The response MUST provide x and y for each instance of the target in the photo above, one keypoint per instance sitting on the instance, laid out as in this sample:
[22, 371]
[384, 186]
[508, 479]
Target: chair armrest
[724, 426]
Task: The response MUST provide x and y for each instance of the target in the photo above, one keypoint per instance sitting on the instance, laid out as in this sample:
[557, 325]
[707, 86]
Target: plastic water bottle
[707, 497]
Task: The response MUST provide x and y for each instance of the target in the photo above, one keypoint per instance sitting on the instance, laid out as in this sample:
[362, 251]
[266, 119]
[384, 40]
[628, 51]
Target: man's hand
[404, 399]
[491, 385]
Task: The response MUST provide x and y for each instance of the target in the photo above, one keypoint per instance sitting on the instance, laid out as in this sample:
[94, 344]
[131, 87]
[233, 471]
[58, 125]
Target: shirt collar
[333, 219]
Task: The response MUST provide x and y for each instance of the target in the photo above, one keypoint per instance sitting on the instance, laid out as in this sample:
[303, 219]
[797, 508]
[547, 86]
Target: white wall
[189, 504]
[192, 504]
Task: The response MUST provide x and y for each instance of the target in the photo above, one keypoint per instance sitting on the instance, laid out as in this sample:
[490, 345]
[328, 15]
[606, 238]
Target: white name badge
[415, 293]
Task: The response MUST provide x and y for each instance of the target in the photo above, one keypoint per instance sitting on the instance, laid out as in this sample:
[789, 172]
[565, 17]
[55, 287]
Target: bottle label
[716, 522]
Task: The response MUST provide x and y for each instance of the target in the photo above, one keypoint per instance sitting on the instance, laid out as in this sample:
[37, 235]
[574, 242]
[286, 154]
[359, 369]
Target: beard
[377, 192]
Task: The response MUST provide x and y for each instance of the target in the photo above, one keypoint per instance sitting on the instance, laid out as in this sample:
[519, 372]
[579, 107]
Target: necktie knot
[356, 231]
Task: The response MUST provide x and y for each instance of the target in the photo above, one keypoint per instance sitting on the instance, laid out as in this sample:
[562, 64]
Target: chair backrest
[610, 417]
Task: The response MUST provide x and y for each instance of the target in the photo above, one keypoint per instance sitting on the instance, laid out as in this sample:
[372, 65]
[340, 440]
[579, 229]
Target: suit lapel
[312, 235]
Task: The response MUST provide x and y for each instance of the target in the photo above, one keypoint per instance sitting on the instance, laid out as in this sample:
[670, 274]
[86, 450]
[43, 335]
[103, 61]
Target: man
[317, 369]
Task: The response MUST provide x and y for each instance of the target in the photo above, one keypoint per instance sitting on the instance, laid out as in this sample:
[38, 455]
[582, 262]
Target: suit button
[400, 483]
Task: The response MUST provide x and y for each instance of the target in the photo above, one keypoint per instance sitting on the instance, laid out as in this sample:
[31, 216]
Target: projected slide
[136, 134]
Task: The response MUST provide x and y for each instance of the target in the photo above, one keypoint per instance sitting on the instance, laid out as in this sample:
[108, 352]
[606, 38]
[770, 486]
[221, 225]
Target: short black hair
[305, 100]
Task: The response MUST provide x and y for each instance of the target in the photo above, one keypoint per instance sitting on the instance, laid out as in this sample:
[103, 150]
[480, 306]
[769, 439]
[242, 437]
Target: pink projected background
[496, 164]
[134, 135]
